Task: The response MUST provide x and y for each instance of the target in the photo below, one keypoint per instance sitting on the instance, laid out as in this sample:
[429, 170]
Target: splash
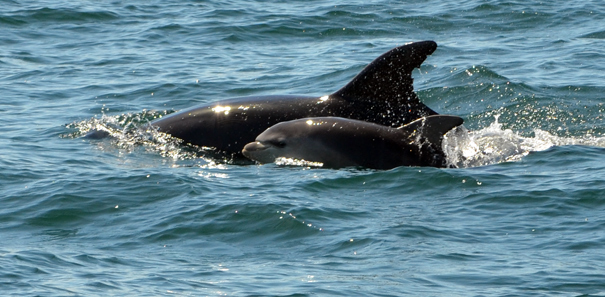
[129, 132]
[281, 161]
[494, 144]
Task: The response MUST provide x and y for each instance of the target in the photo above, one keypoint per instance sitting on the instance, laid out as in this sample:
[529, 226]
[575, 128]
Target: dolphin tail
[388, 80]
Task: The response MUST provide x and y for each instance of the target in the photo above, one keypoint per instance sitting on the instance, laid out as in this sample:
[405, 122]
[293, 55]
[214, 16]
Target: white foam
[281, 161]
[493, 144]
[131, 131]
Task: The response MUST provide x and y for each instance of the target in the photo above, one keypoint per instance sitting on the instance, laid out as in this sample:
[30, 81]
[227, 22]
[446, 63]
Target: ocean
[138, 215]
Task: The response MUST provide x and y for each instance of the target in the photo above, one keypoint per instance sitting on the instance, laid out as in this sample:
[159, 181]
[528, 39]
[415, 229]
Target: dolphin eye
[277, 143]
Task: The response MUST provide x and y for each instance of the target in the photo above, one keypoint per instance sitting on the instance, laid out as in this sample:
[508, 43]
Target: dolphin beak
[258, 152]
[253, 147]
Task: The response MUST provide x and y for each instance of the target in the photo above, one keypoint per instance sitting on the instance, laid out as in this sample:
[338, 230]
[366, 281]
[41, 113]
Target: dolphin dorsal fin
[431, 128]
[389, 77]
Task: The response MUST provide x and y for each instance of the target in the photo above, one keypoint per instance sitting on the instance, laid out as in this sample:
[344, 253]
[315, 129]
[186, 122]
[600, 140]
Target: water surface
[117, 217]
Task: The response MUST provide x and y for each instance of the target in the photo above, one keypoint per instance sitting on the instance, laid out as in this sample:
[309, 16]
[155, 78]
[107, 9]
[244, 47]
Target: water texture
[138, 215]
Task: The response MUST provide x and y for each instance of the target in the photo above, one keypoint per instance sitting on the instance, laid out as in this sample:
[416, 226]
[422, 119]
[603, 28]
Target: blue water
[135, 216]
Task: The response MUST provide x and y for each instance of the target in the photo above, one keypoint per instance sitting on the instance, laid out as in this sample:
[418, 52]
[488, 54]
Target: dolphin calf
[338, 142]
[381, 93]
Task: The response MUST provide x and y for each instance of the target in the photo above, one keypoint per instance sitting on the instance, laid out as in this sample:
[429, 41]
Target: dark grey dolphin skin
[339, 142]
[381, 93]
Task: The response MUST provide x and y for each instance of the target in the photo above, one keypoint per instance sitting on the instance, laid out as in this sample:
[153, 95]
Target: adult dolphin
[382, 93]
[338, 142]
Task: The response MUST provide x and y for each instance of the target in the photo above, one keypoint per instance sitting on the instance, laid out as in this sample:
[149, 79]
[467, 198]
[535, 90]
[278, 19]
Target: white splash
[128, 132]
[493, 145]
[281, 161]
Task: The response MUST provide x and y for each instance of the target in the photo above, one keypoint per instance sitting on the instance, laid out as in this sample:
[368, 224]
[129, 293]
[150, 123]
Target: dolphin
[339, 142]
[381, 93]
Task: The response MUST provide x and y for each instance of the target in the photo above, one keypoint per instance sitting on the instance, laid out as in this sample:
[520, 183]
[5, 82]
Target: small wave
[594, 35]
[493, 144]
[66, 15]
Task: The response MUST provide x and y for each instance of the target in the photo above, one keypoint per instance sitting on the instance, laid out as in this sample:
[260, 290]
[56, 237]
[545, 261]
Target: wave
[61, 15]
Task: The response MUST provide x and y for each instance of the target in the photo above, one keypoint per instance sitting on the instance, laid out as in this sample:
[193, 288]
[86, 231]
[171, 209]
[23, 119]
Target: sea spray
[493, 144]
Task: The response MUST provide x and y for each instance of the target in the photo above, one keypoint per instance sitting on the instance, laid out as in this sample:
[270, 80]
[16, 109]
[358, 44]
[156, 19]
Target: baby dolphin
[340, 142]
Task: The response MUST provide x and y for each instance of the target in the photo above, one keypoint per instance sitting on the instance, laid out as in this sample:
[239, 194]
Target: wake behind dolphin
[381, 93]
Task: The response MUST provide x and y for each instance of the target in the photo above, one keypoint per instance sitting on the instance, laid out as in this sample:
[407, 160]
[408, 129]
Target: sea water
[140, 215]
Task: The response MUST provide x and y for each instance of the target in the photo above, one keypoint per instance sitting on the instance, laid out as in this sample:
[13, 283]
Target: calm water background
[99, 218]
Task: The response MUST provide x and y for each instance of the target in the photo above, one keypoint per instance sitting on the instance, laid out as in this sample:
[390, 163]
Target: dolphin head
[298, 139]
[264, 151]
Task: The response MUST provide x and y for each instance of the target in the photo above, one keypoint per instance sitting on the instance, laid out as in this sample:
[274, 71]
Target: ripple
[67, 15]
